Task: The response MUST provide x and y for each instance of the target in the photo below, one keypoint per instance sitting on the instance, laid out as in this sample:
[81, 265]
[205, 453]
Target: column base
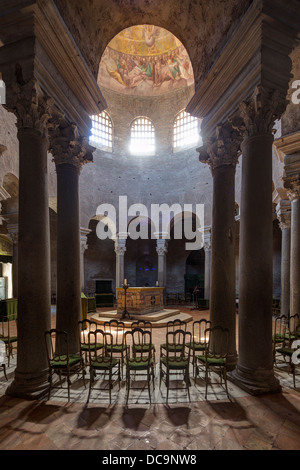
[231, 362]
[28, 386]
[255, 381]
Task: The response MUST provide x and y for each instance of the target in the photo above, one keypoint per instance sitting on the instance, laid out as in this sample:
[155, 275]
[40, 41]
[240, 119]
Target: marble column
[283, 210]
[221, 153]
[207, 251]
[162, 250]
[120, 250]
[254, 371]
[33, 110]
[83, 247]
[70, 153]
[292, 184]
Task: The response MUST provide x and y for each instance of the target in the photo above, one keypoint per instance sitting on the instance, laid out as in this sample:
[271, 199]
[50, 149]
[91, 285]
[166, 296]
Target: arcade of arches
[214, 91]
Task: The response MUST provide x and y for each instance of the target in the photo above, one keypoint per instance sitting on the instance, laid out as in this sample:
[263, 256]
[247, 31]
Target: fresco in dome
[145, 60]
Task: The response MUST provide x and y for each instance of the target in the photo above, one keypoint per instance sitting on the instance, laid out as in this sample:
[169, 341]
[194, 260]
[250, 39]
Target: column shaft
[295, 257]
[222, 284]
[68, 306]
[285, 271]
[255, 363]
[33, 267]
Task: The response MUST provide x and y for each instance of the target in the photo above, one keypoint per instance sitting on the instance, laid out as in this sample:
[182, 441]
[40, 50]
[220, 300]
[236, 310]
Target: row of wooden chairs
[107, 350]
[286, 341]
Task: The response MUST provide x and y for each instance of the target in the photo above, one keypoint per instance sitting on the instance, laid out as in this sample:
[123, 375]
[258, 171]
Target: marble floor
[241, 422]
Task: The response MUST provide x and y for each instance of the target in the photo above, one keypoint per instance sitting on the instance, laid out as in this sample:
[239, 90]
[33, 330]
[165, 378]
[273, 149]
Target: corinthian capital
[31, 106]
[291, 178]
[66, 144]
[283, 210]
[161, 247]
[292, 184]
[261, 111]
[223, 149]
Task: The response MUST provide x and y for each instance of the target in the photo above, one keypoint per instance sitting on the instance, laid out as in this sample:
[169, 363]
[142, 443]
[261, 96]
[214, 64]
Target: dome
[146, 60]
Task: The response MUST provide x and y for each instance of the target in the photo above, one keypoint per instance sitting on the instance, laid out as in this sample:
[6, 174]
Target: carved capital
[31, 106]
[292, 185]
[66, 144]
[291, 178]
[261, 111]
[283, 211]
[120, 247]
[223, 149]
[162, 247]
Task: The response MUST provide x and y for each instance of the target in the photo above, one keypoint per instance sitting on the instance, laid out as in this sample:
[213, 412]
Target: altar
[140, 300]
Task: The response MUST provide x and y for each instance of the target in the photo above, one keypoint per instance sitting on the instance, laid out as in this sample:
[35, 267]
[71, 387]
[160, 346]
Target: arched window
[186, 131]
[142, 140]
[102, 131]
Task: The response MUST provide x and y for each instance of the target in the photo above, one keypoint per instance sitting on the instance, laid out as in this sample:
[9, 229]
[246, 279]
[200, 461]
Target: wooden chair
[118, 348]
[139, 358]
[2, 358]
[176, 360]
[144, 325]
[102, 361]
[172, 326]
[214, 358]
[60, 361]
[9, 338]
[85, 327]
[199, 341]
[279, 334]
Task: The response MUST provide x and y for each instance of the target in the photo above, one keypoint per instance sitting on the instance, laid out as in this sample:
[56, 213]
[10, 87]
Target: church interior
[150, 185]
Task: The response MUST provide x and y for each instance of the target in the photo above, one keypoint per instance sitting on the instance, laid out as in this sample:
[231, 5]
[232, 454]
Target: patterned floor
[243, 422]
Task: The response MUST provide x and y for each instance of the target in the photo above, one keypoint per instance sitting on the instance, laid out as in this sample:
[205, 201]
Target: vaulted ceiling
[203, 26]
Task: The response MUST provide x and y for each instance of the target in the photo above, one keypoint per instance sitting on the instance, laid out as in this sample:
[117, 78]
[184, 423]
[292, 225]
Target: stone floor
[242, 422]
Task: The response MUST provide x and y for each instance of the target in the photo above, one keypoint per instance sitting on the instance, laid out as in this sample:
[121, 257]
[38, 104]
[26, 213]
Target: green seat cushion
[145, 347]
[116, 348]
[174, 363]
[196, 346]
[137, 364]
[218, 361]
[85, 347]
[104, 362]
[61, 362]
[12, 339]
[278, 338]
[172, 347]
[286, 351]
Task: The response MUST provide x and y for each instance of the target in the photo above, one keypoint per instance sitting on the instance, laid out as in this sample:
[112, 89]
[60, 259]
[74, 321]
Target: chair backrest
[218, 342]
[176, 324]
[6, 326]
[280, 326]
[138, 344]
[85, 326]
[117, 329]
[101, 337]
[57, 346]
[199, 327]
[293, 323]
[143, 324]
[176, 341]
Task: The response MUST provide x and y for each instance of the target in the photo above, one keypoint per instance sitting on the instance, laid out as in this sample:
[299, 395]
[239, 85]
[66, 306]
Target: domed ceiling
[145, 60]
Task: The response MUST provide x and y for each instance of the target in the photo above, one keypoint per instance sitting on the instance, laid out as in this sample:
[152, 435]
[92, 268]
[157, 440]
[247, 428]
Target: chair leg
[206, 380]
[149, 379]
[4, 370]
